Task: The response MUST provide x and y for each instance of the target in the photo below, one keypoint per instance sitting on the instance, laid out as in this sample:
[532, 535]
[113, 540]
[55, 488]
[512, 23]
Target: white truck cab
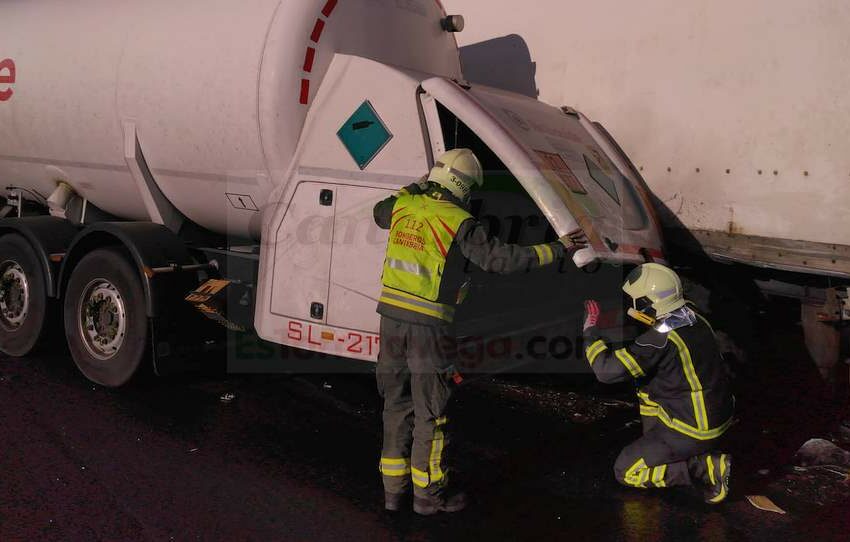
[374, 128]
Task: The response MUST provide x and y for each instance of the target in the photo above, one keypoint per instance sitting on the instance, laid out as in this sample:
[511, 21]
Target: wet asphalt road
[293, 457]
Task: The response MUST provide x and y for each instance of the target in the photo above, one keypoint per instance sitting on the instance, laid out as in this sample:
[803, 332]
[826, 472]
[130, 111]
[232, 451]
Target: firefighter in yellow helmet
[432, 237]
[683, 387]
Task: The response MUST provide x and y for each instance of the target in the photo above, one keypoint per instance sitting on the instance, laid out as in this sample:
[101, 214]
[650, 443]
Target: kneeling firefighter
[683, 387]
[432, 237]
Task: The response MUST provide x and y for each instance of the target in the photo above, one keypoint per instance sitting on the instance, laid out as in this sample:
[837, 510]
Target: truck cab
[374, 128]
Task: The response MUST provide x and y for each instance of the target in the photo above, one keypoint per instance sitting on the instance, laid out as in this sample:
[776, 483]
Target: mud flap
[823, 341]
[181, 339]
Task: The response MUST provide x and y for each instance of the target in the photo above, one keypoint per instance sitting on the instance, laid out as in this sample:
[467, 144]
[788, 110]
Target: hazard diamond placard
[364, 135]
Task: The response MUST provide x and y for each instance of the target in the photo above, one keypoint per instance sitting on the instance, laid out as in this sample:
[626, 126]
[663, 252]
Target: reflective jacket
[681, 377]
[432, 237]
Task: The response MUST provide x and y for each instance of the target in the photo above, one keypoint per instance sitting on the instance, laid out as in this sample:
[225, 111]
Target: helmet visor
[644, 305]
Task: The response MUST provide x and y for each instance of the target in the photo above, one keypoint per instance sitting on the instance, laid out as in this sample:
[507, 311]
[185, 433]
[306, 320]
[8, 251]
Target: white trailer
[235, 150]
[734, 112]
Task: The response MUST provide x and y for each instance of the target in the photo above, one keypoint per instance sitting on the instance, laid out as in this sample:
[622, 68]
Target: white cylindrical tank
[735, 111]
[217, 91]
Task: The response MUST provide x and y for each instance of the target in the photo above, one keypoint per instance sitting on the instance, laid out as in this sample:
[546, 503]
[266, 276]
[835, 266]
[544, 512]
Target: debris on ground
[814, 486]
[764, 503]
[833, 469]
[571, 406]
[614, 403]
[821, 452]
[227, 397]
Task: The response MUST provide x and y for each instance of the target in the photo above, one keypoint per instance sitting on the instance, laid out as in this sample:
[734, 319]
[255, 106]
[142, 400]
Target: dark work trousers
[663, 457]
[414, 376]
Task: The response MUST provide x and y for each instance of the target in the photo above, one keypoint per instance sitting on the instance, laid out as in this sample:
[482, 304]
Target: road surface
[294, 457]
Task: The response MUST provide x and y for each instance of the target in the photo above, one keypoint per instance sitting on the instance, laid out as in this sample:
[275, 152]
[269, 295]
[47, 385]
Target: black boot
[719, 478]
[428, 505]
[713, 470]
[393, 502]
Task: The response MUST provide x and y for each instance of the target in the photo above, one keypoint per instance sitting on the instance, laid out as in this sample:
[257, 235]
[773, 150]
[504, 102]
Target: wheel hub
[14, 295]
[103, 319]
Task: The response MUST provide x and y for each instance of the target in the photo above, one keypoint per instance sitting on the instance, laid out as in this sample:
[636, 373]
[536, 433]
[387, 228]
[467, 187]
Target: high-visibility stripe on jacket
[683, 379]
[413, 303]
[432, 241]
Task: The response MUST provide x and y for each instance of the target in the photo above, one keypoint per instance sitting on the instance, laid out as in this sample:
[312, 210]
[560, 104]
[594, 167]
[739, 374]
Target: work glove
[574, 241]
[415, 189]
[421, 186]
[591, 314]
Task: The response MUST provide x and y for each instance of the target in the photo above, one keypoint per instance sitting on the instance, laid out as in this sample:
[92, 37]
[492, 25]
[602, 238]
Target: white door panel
[358, 256]
[302, 254]
[363, 140]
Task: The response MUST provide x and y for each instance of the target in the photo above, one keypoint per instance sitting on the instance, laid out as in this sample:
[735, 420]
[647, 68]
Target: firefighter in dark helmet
[432, 237]
[683, 387]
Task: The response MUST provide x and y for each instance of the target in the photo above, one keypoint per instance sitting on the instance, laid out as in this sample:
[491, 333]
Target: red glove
[591, 314]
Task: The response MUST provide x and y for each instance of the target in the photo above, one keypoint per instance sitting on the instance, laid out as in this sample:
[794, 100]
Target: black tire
[20, 329]
[106, 274]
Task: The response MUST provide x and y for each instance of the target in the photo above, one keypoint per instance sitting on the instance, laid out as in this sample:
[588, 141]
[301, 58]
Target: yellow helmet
[458, 171]
[655, 290]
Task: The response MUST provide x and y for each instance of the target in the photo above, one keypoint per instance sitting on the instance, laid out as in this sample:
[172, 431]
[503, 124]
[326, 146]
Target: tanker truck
[161, 157]
[734, 112]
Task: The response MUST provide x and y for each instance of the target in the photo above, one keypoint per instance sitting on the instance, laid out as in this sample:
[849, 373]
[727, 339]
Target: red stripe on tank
[317, 30]
[305, 91]
[329, 8]
[309, 58]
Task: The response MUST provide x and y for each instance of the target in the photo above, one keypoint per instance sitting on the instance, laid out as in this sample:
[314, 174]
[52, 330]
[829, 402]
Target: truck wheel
[105, 320]
[23, 299]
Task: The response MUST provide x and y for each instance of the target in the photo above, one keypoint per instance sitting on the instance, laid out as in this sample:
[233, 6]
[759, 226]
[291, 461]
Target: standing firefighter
[432, 236]
[684, 392]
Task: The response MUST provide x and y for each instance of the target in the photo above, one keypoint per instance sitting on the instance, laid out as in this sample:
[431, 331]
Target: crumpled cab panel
[375, 128]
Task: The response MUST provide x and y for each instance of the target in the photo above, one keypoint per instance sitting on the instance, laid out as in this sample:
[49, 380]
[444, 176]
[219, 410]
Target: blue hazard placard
[364, 135]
